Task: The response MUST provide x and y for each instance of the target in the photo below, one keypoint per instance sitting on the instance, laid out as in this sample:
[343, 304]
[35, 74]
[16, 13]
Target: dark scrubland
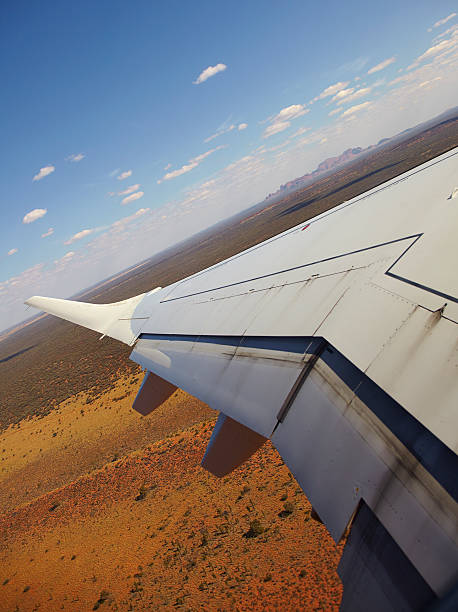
[50, 360]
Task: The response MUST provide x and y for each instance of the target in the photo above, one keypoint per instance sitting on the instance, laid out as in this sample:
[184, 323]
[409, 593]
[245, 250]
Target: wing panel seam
[319, 261]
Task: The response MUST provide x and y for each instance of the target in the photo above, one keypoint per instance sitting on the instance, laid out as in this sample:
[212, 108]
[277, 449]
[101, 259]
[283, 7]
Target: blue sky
[127, 127]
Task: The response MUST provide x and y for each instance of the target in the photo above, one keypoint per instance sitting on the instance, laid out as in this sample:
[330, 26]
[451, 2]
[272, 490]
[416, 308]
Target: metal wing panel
[370, 568]
[427, 262]
[370, 316]
[419, 366]
[247, 383]
[291, 302]
[338, 449]
[399, 208]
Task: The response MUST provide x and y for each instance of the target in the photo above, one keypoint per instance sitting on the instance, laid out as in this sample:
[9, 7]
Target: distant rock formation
[325, 166]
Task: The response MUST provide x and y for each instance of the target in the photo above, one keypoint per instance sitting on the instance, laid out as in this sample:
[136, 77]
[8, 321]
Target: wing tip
[31, 301]
[36, 301]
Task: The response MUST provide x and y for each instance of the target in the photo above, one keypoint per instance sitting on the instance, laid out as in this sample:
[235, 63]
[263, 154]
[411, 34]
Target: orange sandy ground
[74, 537]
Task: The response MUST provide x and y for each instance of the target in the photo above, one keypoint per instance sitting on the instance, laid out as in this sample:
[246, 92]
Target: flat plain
[103, 508]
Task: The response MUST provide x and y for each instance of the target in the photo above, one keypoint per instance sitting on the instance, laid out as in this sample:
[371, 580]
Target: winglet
[115, 320]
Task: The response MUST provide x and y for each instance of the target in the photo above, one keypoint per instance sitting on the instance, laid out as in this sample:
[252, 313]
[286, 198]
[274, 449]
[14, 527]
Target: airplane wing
[337, 340]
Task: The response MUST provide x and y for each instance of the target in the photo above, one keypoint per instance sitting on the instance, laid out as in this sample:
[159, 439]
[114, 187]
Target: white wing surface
[338, 341]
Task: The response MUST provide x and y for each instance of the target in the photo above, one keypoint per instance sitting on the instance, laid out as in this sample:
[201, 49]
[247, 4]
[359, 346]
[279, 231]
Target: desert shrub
[288, 508]
[104, 596]
[204, 540]
[141, 493]
[256, 528]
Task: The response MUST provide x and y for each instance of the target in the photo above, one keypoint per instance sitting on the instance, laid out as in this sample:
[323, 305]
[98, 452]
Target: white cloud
[382, 65]
[354, 96]
[22, 281]
[398, 79]
[220, 132]
[48, 233]
[192, 163]
[209, 72]
[355, 65]
[12, 251]
[443, 21]
[275, 128]
[63, 260]
[34, 214]
[79, 235]
[224, 189]
[342, 94]
[60, 263]
[75, 157]
[114, 172]
[331, 90]
[299, 132]
[126, 220]
[175, 173]
[355, 109]
[43, 172]
[224, 130]
[443, 46]
[282, 120]
[291, 112]
[335, 111]
[448, 31]
[168, 166]
[436, 78]
[124, 175]
[133, 197]
[425, 83]
[128, 190]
